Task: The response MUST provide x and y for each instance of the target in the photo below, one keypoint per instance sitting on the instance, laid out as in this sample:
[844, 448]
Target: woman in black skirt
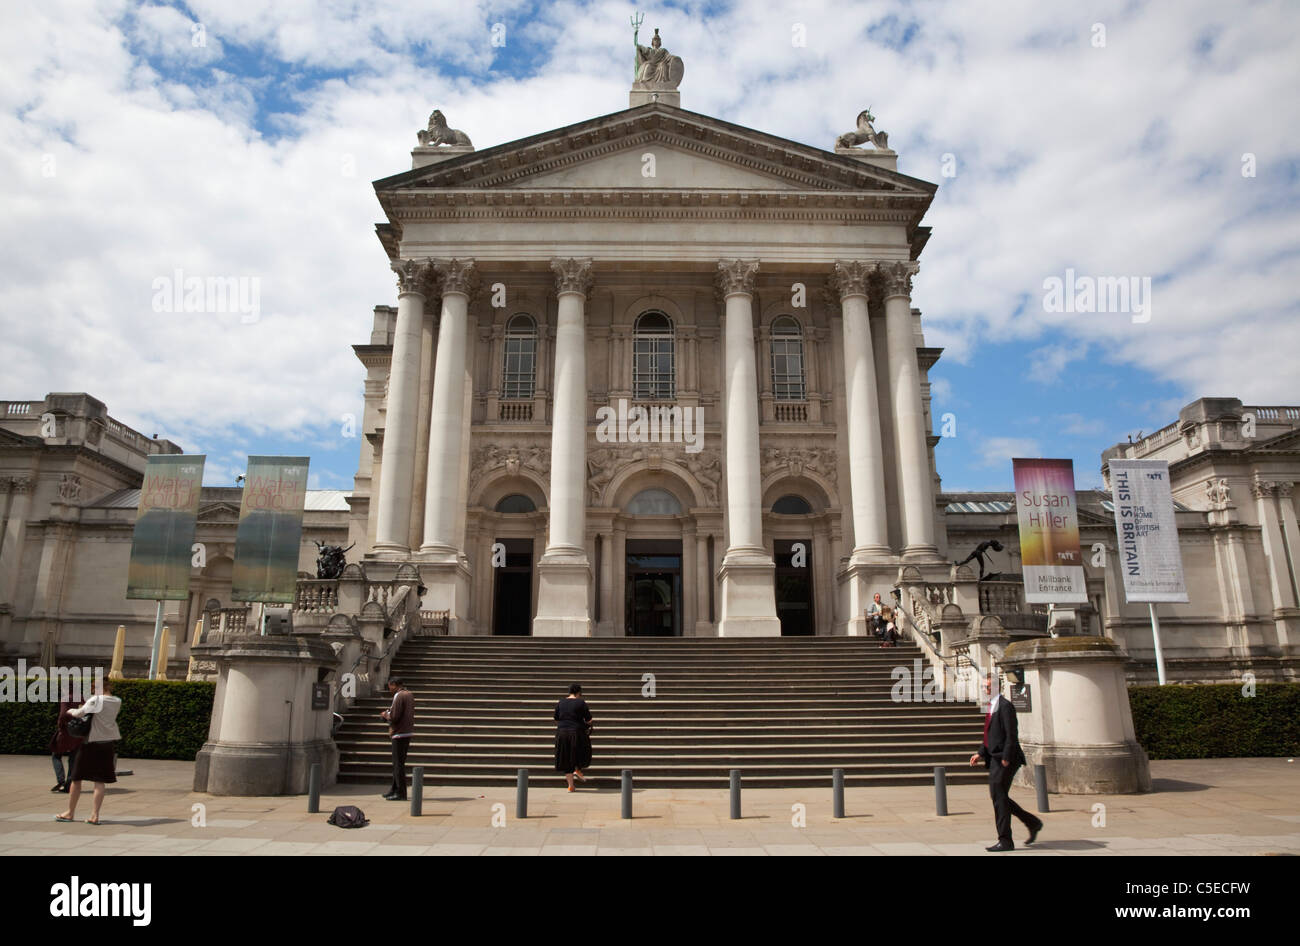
[572, 736]
[96, 760]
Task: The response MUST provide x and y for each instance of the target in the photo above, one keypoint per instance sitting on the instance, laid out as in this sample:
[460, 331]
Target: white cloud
[999, 451]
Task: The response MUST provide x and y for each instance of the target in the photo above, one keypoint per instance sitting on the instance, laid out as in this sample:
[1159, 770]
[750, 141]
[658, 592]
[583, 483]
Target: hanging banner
[269, 539]
[162, 545]
[1048, 516]
[1149, 557]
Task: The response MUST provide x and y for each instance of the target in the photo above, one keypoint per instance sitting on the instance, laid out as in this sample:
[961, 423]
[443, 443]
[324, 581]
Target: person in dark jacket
[1002, 754]
[401, 729]
[572, 736]
[62, 744]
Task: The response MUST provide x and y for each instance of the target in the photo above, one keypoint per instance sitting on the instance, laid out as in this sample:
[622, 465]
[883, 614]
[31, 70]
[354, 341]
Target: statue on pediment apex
[865, 132]
[439, 134]
[657, 68]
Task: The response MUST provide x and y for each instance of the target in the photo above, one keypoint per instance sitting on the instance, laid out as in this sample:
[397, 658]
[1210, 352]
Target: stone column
[1279, 576]
[419, 487]
[913, 462]
[397, 469]
[564, 570]
[748, 572]
[618, 569]
[690, 566]
[866, 454]
[458, 279]
[703, 581]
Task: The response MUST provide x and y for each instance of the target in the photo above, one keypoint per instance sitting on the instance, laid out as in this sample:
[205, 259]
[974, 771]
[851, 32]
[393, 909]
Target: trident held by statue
[636, 22]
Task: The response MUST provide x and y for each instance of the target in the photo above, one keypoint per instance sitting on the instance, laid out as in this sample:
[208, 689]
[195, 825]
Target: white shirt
[103, 724]
[993, 703]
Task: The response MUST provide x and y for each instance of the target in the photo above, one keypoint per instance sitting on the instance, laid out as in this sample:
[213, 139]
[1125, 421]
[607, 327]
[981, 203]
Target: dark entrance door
[794, 591]
[512, 597]
[654, 588]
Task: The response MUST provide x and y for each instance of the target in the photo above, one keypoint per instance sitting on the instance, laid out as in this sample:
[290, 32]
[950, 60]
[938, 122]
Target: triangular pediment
[218, 512]
[692, 152]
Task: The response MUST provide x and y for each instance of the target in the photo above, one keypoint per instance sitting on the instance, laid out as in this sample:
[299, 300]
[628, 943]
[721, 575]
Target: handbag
[78, 727]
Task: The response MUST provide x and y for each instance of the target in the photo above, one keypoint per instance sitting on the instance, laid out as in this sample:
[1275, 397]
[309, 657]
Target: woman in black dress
[572, 735]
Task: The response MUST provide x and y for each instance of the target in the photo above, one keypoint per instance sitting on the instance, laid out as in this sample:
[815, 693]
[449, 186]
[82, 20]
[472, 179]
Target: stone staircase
[786, 711]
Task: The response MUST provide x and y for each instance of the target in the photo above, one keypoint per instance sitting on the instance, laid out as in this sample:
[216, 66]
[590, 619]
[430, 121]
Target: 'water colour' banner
[1149, 557]
[1048, 516]
[268, 542]
[162, 545]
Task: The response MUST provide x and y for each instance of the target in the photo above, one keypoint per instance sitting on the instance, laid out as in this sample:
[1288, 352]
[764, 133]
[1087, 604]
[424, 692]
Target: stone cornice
[374, 356]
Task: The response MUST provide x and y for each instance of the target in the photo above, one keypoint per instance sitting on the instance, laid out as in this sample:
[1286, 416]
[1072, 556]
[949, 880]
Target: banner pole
[157, 641]
[1155, 634]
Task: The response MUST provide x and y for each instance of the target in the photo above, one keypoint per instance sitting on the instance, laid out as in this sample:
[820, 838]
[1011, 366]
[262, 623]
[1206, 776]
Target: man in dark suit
[1002, 754]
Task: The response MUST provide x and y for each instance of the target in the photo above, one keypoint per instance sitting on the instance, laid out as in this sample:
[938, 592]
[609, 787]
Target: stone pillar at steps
[265, 736]
[1078, 723]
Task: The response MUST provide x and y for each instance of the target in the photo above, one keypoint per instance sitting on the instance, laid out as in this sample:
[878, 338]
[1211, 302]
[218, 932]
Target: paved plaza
[1199, 807]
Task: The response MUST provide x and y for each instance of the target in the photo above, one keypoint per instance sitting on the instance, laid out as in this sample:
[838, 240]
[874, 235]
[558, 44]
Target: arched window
[520, 375]
[791, 505]
[654, 502]
[515, 502]
[787, 360]
[653, 374]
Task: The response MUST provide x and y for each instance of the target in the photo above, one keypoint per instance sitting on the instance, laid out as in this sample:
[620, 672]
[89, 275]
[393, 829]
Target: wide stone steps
[784, 711]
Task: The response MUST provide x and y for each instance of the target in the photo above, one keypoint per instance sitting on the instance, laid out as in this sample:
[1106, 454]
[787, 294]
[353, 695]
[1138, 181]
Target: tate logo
[78, 899]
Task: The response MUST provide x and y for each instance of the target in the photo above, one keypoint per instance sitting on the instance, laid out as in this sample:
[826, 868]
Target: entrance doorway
[512, 596]
[794, 587]
[654, 588]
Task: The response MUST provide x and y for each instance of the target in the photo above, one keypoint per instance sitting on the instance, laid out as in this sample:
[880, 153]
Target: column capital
[896, 278]
[457, 275]
[736, 276]
[1261, 489]
[572, 275]
[1284, 489]
[851, 277]
[413, 275]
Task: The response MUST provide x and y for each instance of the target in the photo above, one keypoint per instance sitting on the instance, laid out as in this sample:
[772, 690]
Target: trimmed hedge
[159, 719]
[1216, 721]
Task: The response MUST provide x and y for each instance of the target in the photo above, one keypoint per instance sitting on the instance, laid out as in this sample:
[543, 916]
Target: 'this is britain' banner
[1048, 516]
[162, 545]
[1149, 557]
[270, 530]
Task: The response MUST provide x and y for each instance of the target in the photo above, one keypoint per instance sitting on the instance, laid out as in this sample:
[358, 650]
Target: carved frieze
[513, 458]
[795, 460]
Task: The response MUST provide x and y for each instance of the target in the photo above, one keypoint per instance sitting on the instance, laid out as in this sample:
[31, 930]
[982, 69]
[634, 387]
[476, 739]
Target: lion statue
[439, 134]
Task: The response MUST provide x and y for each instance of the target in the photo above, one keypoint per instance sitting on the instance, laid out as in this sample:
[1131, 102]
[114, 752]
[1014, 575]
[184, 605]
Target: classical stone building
[70, 479]
[667, 265]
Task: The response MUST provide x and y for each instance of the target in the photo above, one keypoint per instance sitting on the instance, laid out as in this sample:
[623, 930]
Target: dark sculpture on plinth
[979, 553]
[331, 561]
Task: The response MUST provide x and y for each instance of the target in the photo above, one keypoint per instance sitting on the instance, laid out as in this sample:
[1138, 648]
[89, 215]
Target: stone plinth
[662, 96]
[264, 735]
[424, 155]
[1079, 724]
[875, 156]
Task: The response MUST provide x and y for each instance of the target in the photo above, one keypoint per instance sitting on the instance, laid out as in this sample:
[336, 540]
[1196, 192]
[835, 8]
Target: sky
[1153, 142]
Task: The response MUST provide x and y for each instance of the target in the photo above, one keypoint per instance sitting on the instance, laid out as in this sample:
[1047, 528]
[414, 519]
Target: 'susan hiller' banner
[1048, 516]
[268, 542]
[163, 543]
[1149, 557]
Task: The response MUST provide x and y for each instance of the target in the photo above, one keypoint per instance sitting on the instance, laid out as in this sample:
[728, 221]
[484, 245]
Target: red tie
[987, 719]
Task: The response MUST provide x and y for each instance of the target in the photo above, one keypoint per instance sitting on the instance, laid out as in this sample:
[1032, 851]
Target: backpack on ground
[348, 816]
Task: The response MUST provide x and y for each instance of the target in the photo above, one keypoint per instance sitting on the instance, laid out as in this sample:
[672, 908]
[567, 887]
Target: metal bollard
[417, 791]
[627, 793]
[940, 791]
[1040, 785]
[837, 792]
[521, 794]
[313, 790]
[735, 794]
